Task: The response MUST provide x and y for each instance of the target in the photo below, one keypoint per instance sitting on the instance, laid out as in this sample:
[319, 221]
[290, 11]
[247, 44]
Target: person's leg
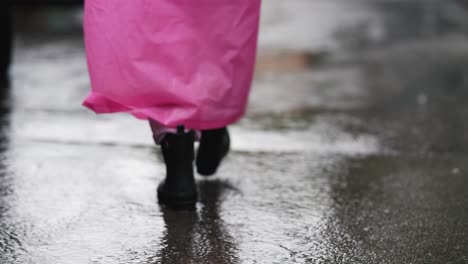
[6, 36]
[178, 190]
[159, 131]
[214, 146]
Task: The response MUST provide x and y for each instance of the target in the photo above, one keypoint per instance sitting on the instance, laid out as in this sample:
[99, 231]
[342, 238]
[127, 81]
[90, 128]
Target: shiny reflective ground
[354, 149]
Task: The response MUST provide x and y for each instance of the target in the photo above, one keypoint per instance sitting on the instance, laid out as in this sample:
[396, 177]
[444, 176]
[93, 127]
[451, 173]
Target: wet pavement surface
[354, 148]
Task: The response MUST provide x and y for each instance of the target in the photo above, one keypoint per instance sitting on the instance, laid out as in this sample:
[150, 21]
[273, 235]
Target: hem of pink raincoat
[102, 105]
[190, 123]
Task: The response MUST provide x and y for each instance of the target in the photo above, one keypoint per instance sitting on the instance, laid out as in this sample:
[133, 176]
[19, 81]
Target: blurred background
[354, 148]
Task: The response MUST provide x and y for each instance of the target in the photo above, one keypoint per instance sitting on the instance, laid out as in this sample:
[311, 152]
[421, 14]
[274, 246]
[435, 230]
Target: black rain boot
[214, 146]
[178, 190]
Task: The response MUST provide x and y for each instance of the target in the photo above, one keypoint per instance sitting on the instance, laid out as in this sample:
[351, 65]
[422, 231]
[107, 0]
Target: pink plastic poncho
[178, 62]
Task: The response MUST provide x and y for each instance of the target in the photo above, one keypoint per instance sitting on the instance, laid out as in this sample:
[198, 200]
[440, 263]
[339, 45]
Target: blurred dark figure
[6, 39]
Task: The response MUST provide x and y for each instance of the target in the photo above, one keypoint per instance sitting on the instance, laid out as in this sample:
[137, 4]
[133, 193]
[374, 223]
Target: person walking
[6, 43]
[186, 66]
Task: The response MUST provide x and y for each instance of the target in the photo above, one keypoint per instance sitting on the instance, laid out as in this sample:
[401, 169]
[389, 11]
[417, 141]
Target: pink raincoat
[178, 62]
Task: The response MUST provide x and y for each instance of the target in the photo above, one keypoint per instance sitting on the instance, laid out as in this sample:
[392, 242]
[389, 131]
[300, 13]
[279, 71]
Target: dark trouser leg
[5, 38]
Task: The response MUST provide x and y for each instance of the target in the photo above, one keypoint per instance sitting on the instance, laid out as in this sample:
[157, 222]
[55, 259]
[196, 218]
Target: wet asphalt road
[354, 149]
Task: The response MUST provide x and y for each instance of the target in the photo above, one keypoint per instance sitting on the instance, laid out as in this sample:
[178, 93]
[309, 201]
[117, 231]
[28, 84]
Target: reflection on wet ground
[199, 237]
[353, 150]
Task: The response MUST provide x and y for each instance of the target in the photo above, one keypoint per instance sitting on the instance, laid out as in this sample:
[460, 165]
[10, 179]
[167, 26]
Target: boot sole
[181, 201]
